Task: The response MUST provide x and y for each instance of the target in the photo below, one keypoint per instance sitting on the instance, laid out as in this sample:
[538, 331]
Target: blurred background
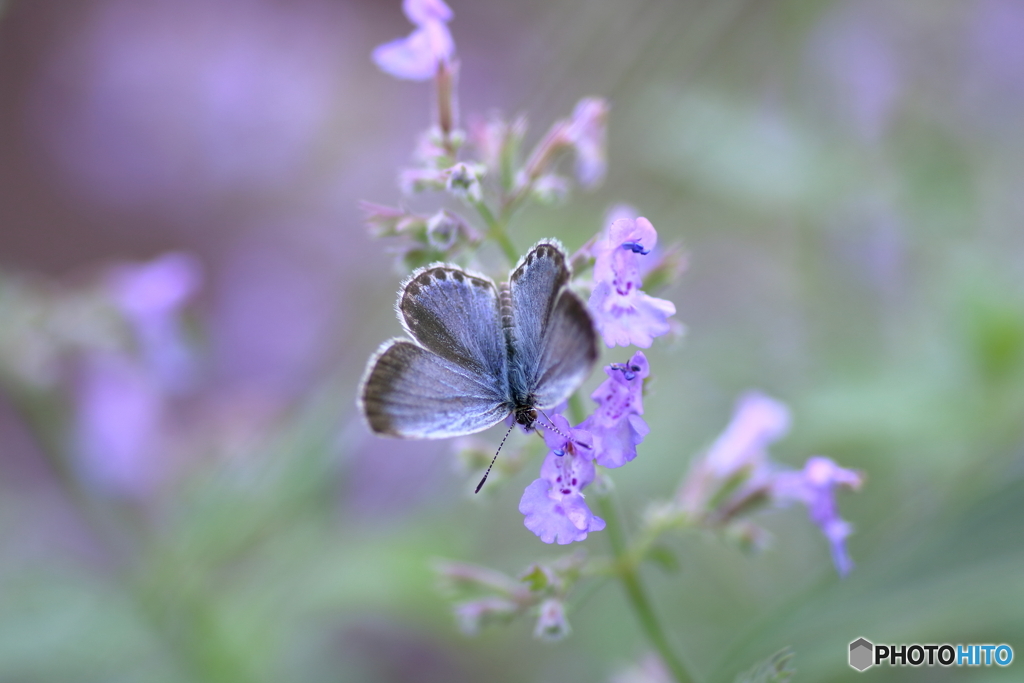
[188, 298]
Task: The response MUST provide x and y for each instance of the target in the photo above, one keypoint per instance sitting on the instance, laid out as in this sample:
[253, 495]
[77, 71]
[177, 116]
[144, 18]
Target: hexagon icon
[861, 651]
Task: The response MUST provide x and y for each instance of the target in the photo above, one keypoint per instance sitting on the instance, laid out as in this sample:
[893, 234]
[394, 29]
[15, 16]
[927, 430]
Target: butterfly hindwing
[551, 334]
[412, 392]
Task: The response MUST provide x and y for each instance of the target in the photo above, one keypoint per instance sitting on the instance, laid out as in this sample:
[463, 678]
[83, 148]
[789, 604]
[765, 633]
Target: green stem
[496, 231]
[507, 247]
[576, 410]
[109, 525]
[628, 573]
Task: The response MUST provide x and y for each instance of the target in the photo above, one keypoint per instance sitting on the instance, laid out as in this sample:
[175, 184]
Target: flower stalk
[627, 570]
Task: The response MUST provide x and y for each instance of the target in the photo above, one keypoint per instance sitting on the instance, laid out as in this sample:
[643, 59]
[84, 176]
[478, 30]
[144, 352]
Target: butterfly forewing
[415, 393]
[552, 336]
[456, 315]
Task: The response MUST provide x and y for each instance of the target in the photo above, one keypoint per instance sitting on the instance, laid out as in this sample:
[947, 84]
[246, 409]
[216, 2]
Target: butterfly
[479, 352]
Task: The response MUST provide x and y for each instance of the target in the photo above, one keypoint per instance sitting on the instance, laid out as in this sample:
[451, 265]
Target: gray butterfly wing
[457, 316]
[454, 380]
[551, 334]
[414, 393]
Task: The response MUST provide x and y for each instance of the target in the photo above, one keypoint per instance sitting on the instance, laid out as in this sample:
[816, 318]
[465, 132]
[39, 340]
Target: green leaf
[775, 669]
[664, 557]
[536, 578]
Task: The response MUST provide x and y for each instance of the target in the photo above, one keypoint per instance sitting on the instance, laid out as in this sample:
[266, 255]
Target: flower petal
[416, 56]
[423, 11]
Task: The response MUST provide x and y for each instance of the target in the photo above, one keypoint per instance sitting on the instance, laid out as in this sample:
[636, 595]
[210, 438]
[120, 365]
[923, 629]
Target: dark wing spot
[424, 280]
[412, 289]
[457, 275]
[440, 274]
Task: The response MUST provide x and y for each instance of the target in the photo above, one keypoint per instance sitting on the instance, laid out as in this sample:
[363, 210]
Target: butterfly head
[526, 416]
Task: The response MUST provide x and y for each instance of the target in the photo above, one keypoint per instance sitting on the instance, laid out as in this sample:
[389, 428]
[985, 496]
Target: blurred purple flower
[424, 11]
[814, 486]
[757, 421]
[551, 622]
[995, 60]
[180, 103]
[271, 319]
[616, 425]
[623, 313]
[584, 132]
[151, 295]
[496, 140]
[854, 51]
[118, 425]
[554, 505]
[587, 132]
[739, 456]
[417, 56]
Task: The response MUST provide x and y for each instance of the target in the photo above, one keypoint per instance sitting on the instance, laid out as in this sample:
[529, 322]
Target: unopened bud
[464, 181]
[551, 622]
[443, 230]
[475, 614]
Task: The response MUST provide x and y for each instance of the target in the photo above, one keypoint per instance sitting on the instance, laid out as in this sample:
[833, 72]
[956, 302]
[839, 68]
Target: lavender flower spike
[616, 425]
[416, 57]
[757, 421]
[624, 314]
[814, 486]
[554, 505]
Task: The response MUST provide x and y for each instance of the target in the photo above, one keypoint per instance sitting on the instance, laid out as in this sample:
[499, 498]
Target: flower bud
[443, 230]
[551, 622]
[463, 181]
[475, 614]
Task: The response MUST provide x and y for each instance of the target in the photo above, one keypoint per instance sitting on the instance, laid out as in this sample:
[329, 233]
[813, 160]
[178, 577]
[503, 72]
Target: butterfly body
[479, 352]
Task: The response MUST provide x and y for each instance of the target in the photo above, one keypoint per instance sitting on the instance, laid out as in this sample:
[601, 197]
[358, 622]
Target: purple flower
[814, 486]
[118, 425]
[624, 314]
[587, 133]
[422, 12]
[757, 421]
[151, 295]
[616, 425]
[417, 56]
[554, 505]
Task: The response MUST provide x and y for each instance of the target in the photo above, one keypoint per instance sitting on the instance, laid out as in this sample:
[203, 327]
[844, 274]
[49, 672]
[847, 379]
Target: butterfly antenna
[551, 425]
[481, 484]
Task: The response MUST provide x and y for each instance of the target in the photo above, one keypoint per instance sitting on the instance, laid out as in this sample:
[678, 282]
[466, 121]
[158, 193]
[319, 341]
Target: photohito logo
[864, 654]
